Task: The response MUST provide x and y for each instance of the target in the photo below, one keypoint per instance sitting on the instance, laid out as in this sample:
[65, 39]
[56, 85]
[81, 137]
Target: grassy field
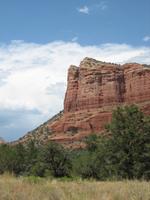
[42, 189]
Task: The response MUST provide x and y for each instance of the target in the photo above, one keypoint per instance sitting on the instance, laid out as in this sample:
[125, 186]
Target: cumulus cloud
[146, 38]
[84, 10]
[33, 76]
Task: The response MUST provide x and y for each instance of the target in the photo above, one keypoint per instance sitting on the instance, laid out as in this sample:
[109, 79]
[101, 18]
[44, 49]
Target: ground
[32, 188]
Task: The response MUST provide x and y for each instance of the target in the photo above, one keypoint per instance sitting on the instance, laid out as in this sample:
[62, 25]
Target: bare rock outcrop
[94, 89]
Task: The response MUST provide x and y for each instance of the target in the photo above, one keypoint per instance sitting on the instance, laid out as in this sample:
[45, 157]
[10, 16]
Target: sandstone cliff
[94, 89]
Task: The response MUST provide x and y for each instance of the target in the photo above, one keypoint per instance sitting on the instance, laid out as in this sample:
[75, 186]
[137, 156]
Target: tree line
[121, 152]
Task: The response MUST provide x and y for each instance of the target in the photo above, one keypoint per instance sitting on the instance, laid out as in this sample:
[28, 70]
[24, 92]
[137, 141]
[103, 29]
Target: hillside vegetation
[122, 152]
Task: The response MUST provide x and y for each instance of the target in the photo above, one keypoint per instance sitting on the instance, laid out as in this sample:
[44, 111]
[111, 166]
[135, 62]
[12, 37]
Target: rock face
[94, 89]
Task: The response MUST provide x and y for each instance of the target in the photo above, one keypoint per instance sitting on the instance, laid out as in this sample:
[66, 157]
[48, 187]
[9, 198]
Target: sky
[40, 39]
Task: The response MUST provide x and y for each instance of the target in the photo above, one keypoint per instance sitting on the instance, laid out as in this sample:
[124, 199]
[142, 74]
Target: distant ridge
[2, 141]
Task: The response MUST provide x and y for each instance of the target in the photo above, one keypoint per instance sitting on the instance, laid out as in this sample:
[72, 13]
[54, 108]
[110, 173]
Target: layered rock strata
[94, 89]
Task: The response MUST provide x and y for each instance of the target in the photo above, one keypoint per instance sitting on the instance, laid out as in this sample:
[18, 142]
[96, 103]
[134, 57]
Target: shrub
[57, 160]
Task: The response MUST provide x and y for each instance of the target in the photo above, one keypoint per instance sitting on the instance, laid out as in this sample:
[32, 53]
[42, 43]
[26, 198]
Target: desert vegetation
[34, 188]
[122, 152]
[53, 172]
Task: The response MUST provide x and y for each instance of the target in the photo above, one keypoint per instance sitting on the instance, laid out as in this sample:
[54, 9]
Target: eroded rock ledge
[94, 89]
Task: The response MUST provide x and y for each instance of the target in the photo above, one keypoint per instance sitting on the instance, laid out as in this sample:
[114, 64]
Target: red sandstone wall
[94, 90]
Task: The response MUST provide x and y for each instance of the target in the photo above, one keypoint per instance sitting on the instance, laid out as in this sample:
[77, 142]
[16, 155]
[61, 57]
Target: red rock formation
[94, 89]
[93, 85]
[137, 83]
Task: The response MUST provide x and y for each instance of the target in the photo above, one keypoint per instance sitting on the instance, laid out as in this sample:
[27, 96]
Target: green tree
[18, 159]
[130, 142]
[92, 142]
[95, 163]
[31, 157]
[12, 158]
[124, 150]
[57, 160]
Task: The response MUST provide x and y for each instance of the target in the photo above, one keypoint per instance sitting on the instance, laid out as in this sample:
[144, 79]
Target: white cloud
[84, 10]
[27, 70]
[33, 76]
[146, 38]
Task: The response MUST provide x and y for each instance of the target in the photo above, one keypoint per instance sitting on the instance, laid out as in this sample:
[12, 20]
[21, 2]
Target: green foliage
[130, 143]
[49, 160]
[95, 163]
[92, 142]
[123, 152]
[57, 160]
[12, 159]
[32, 152]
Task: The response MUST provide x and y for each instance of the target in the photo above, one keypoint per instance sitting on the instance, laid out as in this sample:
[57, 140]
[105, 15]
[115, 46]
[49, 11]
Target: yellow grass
[27, 189]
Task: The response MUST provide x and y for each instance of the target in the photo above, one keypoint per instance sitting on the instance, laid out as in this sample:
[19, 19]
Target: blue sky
[39, 39]
[42, 21]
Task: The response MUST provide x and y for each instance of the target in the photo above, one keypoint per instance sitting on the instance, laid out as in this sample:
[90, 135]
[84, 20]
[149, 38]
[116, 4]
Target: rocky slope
[94, 89]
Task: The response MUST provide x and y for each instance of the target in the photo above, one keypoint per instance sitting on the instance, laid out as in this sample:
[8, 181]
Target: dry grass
[36, 189]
